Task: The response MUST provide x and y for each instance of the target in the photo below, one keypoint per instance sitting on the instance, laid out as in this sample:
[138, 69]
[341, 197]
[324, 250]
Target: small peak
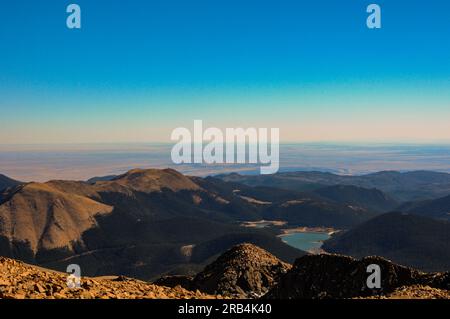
[244, 271]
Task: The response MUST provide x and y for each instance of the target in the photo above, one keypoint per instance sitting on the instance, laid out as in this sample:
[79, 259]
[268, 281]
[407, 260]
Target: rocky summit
[243, 271]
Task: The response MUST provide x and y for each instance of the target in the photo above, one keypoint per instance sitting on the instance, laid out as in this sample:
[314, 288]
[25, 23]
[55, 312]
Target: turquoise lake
[308, 241]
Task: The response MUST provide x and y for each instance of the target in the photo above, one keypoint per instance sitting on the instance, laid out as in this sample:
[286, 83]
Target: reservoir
[306, 241]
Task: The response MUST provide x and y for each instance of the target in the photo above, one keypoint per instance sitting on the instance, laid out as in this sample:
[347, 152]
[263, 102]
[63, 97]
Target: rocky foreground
[415, 292]
[245, 271]
[21, 281]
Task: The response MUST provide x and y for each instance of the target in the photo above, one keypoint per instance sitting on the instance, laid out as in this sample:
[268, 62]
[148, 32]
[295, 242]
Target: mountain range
[148, 223]
[141, 224]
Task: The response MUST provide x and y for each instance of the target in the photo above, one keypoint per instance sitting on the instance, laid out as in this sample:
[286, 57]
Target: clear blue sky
[137, 69]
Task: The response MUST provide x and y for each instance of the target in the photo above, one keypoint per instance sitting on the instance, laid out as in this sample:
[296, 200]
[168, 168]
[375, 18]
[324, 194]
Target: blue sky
[138, 69]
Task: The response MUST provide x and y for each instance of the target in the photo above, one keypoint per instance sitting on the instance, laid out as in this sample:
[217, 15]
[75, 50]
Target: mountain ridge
[6, 182]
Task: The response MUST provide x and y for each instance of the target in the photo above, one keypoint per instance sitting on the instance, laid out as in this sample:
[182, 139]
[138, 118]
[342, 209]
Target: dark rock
[335, 276]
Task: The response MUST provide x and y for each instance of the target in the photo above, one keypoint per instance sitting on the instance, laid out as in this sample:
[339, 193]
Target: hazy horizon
[89, 160]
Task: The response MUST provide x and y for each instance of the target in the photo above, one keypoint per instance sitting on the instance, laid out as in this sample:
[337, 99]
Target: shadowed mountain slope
[369, 199]
[407, 239]
[436, 208]
[6, 182]
[313, 213]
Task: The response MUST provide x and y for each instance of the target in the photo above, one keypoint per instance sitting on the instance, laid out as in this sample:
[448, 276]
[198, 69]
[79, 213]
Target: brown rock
[39, 288]
[4, 282]
[245, 271]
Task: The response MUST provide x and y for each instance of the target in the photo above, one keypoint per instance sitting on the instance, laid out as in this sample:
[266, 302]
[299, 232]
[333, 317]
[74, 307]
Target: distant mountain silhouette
[407, 239]
[416, 185]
